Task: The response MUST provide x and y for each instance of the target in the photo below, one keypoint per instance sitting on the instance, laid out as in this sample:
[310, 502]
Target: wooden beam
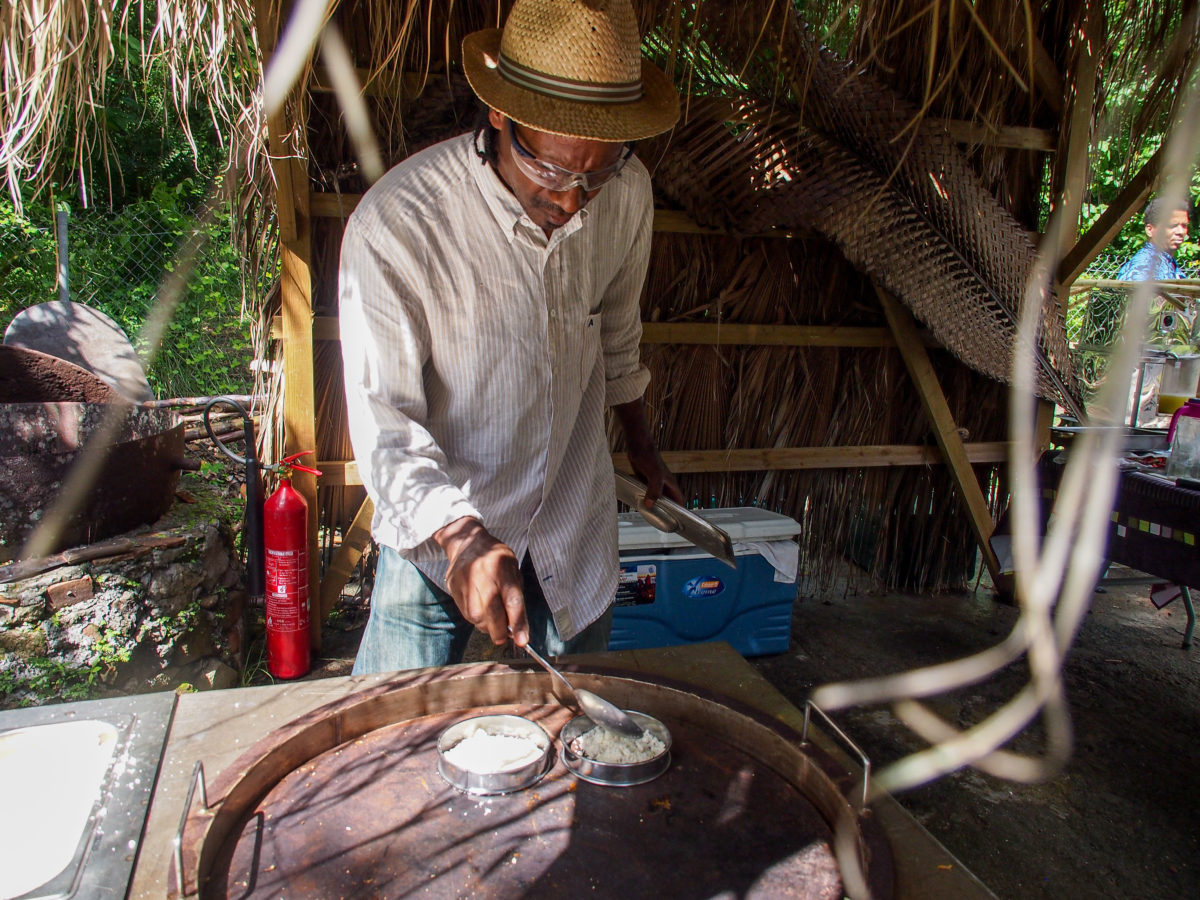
[326, 328]
[267, 27]
[354, 544]
[764, 335]
[1047, 78]
[1131, 199]
[1015, 137]
[945, 431]
[1045, 421]
[407, 87]
[330, 205]
[1069, 179]
[295, 291]
[871, 456]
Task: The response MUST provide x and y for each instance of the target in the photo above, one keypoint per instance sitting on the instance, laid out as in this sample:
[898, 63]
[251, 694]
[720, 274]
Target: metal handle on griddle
[863, 758]
[197, 778]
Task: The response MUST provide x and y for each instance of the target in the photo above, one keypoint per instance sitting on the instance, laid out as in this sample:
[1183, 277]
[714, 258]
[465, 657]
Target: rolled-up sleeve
[385, 344]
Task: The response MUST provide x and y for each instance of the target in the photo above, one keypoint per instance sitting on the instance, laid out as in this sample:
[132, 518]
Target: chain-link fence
[1105, 267]
[1096, 315]
[116, 262]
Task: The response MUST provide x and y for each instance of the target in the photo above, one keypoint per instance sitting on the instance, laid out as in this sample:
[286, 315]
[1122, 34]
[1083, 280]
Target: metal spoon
[599, 710]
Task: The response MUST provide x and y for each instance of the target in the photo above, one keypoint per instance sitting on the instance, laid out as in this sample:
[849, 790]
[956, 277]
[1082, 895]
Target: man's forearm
[635, 426]
[643, 452]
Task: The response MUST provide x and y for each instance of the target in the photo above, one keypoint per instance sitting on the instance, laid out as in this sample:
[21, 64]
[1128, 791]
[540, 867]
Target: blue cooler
[670, 592]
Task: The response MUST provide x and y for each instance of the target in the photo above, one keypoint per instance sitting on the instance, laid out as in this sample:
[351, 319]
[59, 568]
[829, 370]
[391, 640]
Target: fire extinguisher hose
[255, 555]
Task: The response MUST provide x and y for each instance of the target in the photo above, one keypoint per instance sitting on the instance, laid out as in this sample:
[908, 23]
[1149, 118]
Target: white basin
[51, 777]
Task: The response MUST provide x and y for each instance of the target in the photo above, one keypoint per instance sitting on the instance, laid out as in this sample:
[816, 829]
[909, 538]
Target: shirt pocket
[589, 349]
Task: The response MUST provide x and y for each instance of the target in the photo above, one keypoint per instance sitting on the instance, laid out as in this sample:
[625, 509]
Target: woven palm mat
[909, 211]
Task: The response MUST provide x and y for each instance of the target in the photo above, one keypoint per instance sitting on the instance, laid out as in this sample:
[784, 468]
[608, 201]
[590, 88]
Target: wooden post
[354, 544]
[295, 292]
[945, 432]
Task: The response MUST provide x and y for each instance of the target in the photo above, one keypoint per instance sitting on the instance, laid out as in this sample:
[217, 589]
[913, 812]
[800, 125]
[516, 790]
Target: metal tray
[668, 516]
[341, 802]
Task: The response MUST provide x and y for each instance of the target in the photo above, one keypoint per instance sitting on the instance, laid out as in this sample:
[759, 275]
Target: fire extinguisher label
[287, 589]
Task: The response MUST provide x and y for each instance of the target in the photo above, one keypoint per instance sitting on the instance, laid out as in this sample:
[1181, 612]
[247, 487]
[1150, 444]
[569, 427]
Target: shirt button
[554, 313]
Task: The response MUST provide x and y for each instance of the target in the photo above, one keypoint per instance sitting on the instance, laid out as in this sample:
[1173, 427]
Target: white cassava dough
[487, 753]
[601, 745]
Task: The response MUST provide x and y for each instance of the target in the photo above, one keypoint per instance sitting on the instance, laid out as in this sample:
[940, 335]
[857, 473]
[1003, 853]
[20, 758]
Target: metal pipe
[60, 222]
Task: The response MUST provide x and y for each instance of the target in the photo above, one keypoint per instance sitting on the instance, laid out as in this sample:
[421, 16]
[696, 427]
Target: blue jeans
[414, 623]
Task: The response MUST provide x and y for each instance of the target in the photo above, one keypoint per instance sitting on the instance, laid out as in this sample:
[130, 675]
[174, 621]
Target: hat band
[568, 89]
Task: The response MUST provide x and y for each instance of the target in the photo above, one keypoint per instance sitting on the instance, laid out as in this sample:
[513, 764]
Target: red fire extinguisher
[285, 542]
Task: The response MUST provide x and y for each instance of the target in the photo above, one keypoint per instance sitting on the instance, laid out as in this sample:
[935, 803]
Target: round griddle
[347, 802]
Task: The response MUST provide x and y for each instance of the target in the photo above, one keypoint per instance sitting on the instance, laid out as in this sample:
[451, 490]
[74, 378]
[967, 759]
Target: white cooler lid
[741, 523]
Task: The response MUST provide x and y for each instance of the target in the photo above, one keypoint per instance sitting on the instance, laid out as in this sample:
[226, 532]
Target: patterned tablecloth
[1155, 524]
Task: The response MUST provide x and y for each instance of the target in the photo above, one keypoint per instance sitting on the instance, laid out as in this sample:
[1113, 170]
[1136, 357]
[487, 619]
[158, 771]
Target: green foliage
[118, 260]
[40, 679]
[124, 235]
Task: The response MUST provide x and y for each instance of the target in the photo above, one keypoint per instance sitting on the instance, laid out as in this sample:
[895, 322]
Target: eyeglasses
[556, 178]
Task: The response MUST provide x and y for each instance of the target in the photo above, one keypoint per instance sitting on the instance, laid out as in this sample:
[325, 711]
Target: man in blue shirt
[1156, 258]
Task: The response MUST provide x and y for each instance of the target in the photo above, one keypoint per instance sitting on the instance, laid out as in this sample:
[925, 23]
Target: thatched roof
[826, 143]
[847, 149]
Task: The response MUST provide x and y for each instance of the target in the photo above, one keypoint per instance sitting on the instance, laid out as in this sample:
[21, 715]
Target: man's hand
[484, 579]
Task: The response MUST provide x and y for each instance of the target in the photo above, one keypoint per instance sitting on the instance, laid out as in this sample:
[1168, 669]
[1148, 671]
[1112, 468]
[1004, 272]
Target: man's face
[550, 209]
[1172, 233]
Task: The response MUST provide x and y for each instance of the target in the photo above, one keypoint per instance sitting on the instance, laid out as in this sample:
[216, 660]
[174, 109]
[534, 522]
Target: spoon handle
[553, 671]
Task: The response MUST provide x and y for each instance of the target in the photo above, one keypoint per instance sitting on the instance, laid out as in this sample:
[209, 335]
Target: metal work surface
[372, 816]
[104, 853]
[218, 727]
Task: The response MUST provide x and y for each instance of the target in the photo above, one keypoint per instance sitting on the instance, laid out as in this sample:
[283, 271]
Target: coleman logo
[703, 586]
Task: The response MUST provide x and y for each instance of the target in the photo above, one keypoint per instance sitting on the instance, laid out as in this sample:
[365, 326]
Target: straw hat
[573, 68]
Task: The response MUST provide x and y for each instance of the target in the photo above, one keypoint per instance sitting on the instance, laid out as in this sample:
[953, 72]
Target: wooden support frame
[1131, 199]
[295, 291]
[326, 328]
[329, 205]
[1069, 178]
[300, 333]
[945, 432]
[354, 545]
[751, 459]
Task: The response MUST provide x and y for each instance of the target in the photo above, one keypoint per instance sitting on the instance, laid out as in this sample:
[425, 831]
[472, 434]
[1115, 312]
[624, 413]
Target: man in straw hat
[489, 293]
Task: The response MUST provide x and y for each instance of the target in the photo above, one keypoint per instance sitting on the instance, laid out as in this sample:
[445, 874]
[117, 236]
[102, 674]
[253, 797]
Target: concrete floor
[1119, 821]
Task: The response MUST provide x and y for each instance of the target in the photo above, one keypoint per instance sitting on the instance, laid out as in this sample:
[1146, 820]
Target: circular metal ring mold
[615, 774]
[487, 783]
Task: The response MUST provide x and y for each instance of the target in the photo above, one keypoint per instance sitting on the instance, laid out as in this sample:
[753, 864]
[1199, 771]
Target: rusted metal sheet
[50, 410]
[30, 376]
[348, 802]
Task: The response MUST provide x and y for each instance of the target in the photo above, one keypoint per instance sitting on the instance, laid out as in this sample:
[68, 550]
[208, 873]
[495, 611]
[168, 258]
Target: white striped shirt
[479, 356]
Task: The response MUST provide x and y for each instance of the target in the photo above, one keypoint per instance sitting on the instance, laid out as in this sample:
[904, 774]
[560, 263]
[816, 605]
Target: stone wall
[168, 613]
